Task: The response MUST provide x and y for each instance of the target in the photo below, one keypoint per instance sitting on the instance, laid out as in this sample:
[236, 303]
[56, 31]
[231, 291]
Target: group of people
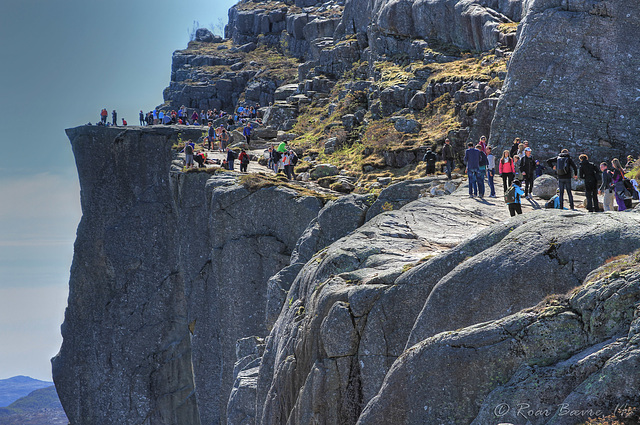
[283, 159]
[104, 114]
[518, 168]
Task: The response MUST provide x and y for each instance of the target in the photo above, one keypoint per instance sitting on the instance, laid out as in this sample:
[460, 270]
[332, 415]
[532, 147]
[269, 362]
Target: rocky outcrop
[161, 255]
[572, 80]
[126, 353]
[562, 362]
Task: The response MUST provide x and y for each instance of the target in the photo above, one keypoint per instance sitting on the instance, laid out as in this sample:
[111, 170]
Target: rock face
[550, 101]
[160, 254]
[585, 371]
[126, 352]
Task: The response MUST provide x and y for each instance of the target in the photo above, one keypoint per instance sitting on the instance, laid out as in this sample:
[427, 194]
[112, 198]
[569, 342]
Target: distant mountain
[12, 389]
[40, 407]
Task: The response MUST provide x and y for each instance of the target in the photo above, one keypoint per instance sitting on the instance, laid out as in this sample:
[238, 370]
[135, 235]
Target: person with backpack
[188, 154]
[447, 155]
[507, 170]
[293, 160]
[512, 198]
[618, 184]
[554, 202]
[430, 158]
[246, 132]
[563, 164]
[103, 116]
[589, 173]
[244, 161]
[528, 169]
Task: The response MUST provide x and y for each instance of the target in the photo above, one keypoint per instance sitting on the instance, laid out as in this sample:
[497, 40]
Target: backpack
[562, 168]
[550, 204]
[294, 158]
[510, 195]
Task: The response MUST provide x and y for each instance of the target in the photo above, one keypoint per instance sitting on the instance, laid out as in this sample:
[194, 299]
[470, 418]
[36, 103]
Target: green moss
[256, 181]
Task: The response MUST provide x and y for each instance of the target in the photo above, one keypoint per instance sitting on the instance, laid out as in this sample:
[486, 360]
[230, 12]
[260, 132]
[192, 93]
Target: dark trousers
[515, 208]
[592, 198]
[528, 183]
[490, 175]
[288, 170]
[448, 166]
[565, 185]
[243, 167]
[507, 179]
[431, 168]
[230, 164]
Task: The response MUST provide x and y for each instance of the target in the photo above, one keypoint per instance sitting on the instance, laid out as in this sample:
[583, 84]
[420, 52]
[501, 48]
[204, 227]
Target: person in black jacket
[606, 188]
[447, 155]
[430, 158]
[589, 173]
[515, 147]
[563, 164]
[528, 169]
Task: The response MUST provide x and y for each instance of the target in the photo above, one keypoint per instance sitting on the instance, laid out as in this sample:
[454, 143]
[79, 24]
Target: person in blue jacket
[512, 198]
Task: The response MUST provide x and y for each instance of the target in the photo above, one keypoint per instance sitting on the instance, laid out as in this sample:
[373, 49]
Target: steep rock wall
[126, 353]
[573, 79]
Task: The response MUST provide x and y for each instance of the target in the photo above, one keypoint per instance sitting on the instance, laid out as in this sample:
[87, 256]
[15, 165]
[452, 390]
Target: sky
[62, 62]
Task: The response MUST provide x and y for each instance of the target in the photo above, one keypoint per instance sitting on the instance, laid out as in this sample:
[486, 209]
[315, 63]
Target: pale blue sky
[62, 62]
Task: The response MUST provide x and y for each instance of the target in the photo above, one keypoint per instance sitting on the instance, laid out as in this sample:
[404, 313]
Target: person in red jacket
[507, 170]
[244, 161]
[103, 116]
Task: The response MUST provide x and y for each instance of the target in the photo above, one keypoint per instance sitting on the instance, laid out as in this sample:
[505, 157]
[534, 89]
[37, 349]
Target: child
[512, 198]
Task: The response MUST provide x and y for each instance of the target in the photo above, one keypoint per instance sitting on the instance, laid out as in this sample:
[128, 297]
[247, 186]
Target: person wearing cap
[528, 169]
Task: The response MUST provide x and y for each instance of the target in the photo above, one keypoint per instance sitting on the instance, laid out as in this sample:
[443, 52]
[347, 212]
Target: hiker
[491, 171]
[472, 161]
[200, 158]
[103, 116]
[618, 184]
[483, 171]
[141, 116]
[554, 202]
[124, 122]
[563, 164]
[244, 161]
[231, 156]
[246, 132]
[589, 173]
[224, 139]
[514, 148]
[194, 117]
[483, 144]
[630, 162]
[286, 164]
[512, 198]
[188, 154]
[507, 169]
[203, 117]
[430, 158]
[606, 187]
[211, 135]
[539, 169]
[275, 159]
[114, 116]
[528, 168]
[516, 166]
[447, 155]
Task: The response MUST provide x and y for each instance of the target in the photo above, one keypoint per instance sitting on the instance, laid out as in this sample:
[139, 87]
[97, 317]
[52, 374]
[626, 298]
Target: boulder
[323, 170]
[404, 125]
[283, 92]
[343, 186]
[545, 186]
[349, 121]
[204, 35]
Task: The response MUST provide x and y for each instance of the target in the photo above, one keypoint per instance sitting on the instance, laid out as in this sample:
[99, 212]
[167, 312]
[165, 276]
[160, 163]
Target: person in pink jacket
[507, 170]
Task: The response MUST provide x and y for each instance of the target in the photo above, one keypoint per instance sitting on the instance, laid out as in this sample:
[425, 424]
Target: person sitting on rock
[430, 158]
[124, 122]
[589, 173]
[200, 158]
[512, 198]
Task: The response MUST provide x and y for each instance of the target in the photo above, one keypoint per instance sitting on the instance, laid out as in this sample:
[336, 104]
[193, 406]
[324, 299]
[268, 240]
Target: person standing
[103, 116]
[231, 156]
[491, 171]
[563, 166]
[194, 117]
[514, 148]
[244, 161]
[618, 183]
[589, 173]
[606, 187]
[512, 198]
[114, 117]
[246, 132]
[211, 135]
[188, 154]
[472, 161]
[447, 155]
[141, 116]
[483, 145]
[224, 139]
[482, 171]
[528, 168]
[430, 158]
[506, 168]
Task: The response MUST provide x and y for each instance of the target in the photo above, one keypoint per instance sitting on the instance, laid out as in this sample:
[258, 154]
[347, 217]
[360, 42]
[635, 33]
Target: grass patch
[256, 181]
[508, 27]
